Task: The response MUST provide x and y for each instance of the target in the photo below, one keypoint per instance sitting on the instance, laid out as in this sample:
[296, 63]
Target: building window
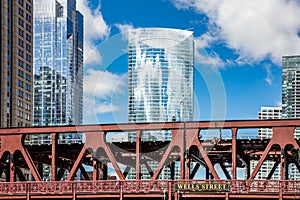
[28, 97]
[20, 114]
[21, 32]
[20, 93]
[27, 116]
[21, 22]
[28, 37]
[20, 83]
[20, 103]
[21, 12]
[27, 107]
[27, 87]
[28, 7]
[21, 42]
[21, 53]
[28, 17]
[28, 27]
[20, 63]
[28, 67]
[28, 77]
[28, 57]
[28, 47]
[21, 2]
[20, 73]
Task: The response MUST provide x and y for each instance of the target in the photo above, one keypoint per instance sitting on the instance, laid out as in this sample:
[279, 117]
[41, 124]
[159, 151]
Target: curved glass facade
[161, 82]
[161, 75]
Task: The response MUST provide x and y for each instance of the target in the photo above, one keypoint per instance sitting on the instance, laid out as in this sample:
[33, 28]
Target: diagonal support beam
[149, 169]
[197, 166]
[126, 171]
[225, 171]
[208, 162]
[32, 167]
[76, 164]
[20, 174]
[261, 160]
[176, 138]
[272, 170]
[84, 173]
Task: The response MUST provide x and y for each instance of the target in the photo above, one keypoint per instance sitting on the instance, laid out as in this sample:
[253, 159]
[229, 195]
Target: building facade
[291, 97]
[16, 63]
[266, 133]
[58, 69]
[58, 63]
[161, 80]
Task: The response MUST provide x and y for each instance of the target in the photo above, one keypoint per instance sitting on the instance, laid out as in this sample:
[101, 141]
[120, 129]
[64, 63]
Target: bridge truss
[218, 160]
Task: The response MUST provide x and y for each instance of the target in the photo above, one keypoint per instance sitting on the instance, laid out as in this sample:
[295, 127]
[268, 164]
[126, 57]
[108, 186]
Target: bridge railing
[146, 186]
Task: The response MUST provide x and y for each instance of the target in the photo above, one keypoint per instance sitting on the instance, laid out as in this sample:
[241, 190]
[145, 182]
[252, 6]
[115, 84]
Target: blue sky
[238, 49]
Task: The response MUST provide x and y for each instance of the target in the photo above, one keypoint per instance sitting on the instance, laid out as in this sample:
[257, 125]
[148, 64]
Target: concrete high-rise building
[16, 63]
[268, 113]
[291, 87]
[266, 133]
[161, 79]
[58, 63]
[291, 97]
[58, 68]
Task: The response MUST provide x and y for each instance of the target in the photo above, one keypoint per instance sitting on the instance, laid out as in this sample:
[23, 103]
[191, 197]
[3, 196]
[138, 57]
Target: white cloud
[124, 28]
[106, 107]
[95, 28]
[102, 84]
[255, 29]
[99, 87]
[279, 104]
[208, 58]
[269, 78]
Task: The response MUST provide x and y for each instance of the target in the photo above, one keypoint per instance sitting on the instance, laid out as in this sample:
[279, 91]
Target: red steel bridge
[209, 169]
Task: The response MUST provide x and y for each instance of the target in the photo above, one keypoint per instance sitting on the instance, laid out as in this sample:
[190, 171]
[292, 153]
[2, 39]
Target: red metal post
[53, 157]
[138, 157]
[233, 152]
[95, 170]
[11, 169]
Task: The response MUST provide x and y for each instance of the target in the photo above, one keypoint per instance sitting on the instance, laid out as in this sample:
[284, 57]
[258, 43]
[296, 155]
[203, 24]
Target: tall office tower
[291, 97]
[58, 63]
[161, 79]
[58, 67]
[16, 63]
[266, 133]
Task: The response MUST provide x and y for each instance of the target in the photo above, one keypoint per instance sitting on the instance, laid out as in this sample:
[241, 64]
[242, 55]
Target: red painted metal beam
[53, 156]
[154, 126]
[233, 152]
[138, 156]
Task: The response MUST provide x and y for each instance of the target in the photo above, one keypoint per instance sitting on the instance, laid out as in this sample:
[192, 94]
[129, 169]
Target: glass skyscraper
[291, 97]
[161, 78]
[58, 63]
[58, 69]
